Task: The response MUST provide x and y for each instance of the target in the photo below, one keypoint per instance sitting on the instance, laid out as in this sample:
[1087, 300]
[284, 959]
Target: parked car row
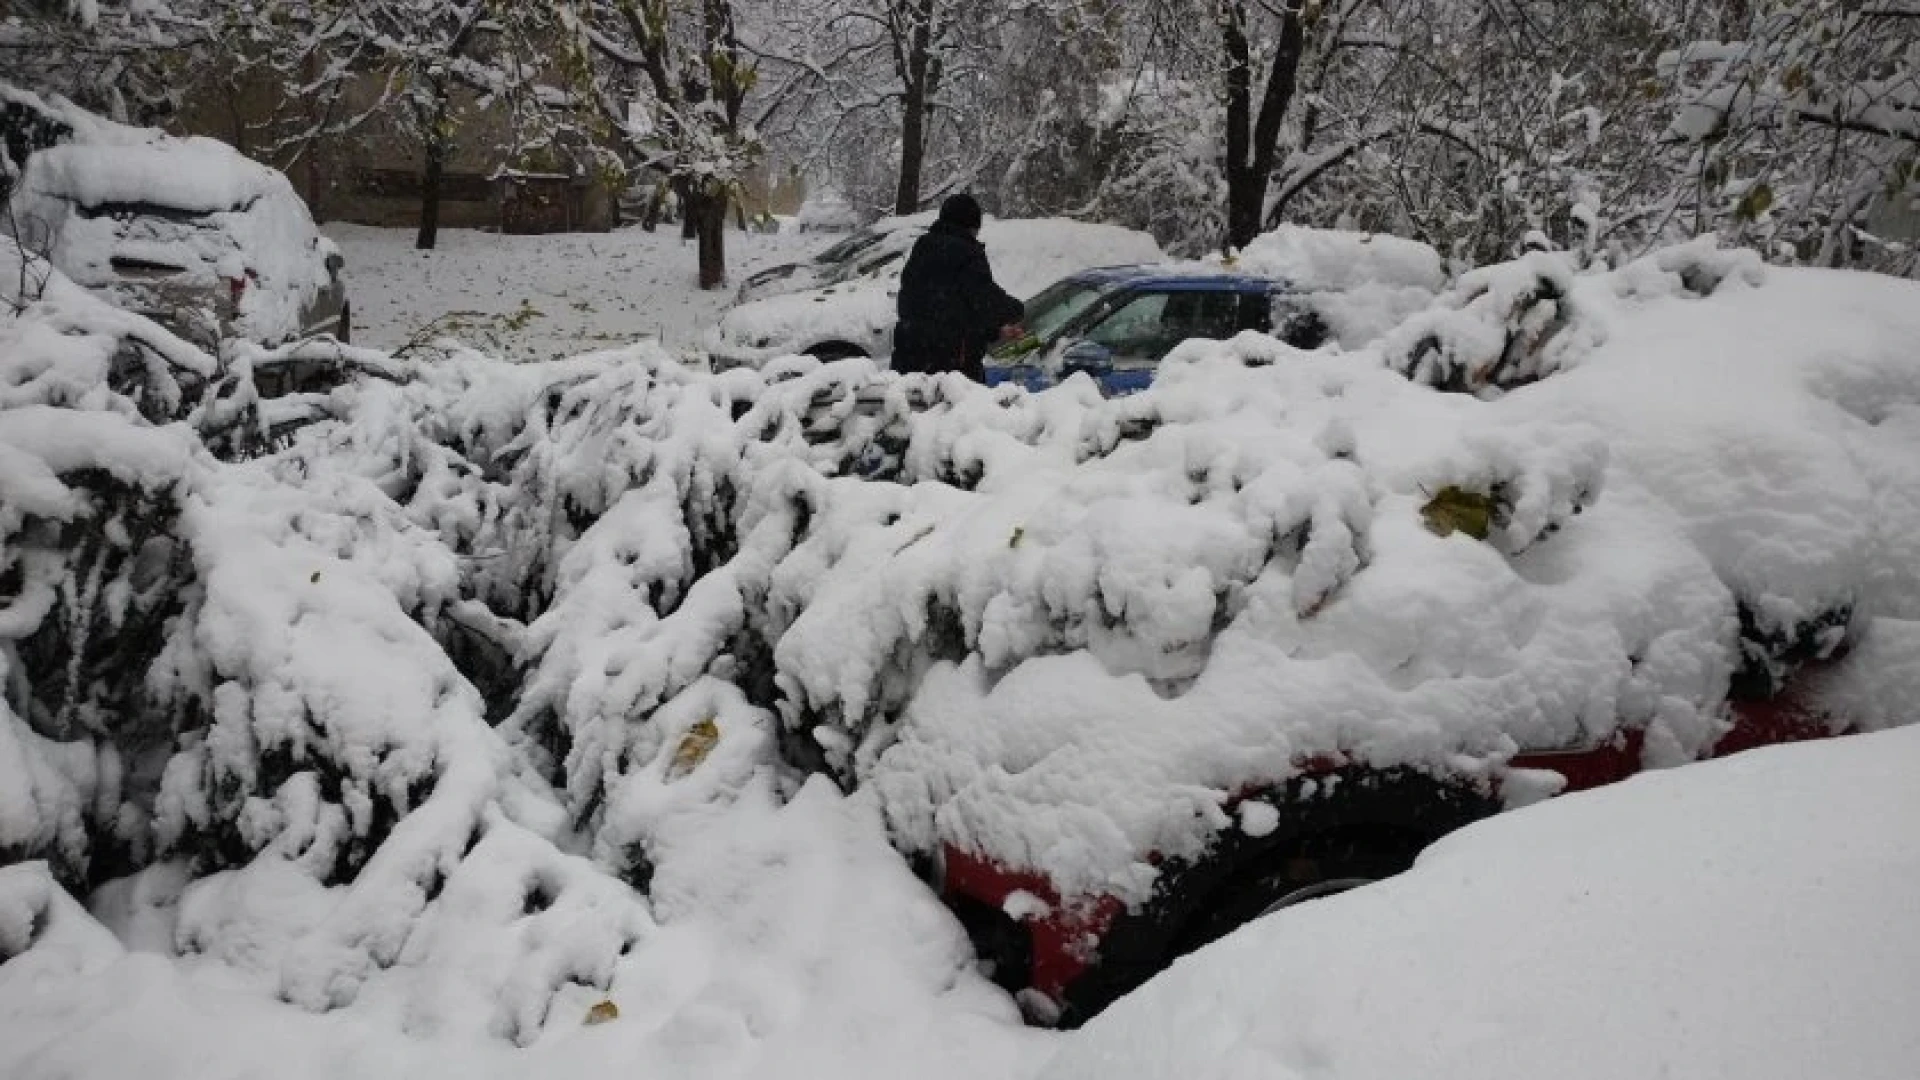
[1100, 300]
[841, 303]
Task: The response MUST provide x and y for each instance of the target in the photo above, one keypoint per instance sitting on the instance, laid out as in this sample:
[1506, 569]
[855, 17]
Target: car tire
[343, 330]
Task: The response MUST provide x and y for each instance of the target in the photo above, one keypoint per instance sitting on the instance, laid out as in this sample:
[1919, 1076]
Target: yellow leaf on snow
[694, 747]
[1458, 510]
[602, 1012]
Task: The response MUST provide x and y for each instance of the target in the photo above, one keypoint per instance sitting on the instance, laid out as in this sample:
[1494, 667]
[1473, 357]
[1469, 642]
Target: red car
[1336, 826]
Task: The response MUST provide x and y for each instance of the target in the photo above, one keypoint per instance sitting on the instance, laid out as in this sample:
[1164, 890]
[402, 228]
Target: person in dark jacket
[950, 310]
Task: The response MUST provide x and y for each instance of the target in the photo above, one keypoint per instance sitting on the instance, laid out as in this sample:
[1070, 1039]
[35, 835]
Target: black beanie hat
[961, 210]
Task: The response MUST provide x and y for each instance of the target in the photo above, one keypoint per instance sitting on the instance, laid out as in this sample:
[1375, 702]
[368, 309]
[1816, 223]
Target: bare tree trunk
[431, 182]
[1253, 138]
[918, 72]
[913, 151]
[683, 193]
[311, 163]
[430, 185]
[708, 214]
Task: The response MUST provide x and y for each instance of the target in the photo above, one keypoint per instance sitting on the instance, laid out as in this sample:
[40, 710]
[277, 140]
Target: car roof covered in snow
[1176, 277]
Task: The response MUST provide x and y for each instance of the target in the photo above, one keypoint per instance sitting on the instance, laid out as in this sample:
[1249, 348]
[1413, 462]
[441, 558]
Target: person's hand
[1012, 332]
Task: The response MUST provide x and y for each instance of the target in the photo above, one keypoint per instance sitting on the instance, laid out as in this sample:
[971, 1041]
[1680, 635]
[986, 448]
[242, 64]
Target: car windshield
[1059, 304]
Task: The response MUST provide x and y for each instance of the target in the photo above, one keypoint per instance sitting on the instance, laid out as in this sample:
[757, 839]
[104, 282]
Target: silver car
[187, 232]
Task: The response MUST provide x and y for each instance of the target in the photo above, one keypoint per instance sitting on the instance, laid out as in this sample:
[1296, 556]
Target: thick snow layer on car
[1334, 260]
[1747, 918]
[1361, 284]
[192, 205]
[1027, 255]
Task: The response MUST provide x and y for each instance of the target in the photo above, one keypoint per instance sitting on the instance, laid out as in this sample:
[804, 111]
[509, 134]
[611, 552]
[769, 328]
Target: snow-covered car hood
[192, 206]
[1027, 255]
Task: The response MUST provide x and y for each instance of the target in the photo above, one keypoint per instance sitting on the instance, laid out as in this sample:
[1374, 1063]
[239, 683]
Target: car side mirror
[335, 263]
[1088, 356]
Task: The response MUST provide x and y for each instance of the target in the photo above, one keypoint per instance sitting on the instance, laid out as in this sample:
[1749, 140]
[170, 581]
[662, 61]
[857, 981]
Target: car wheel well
[1371, 850]
[1387, 816]
[828, 351]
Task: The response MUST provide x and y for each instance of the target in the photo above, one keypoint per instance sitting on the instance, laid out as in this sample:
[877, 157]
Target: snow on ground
[1065, 634]
[795, 944]
[1747, 918]
[542, 297]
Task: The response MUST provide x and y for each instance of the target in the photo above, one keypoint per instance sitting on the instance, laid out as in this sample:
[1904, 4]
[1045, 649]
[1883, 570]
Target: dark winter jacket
[950, 308]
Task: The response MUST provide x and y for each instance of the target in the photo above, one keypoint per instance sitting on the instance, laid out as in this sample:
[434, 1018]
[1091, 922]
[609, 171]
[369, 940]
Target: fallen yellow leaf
[694, 747]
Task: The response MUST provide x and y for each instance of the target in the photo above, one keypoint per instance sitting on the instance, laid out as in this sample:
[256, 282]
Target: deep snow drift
[468, 696]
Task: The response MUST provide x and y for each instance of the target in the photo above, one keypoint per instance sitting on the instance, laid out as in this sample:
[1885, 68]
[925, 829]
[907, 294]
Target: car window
[1150, 324]
[130, 211]
[1059, 304]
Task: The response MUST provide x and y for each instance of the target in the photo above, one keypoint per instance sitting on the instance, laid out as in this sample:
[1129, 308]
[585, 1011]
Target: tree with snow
[422, 69]
[671, 81]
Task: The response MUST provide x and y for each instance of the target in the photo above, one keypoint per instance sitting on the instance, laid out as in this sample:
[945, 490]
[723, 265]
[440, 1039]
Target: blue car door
[1142, 331]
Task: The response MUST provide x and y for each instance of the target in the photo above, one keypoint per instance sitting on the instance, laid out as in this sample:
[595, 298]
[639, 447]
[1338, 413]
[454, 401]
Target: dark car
[1116, 323]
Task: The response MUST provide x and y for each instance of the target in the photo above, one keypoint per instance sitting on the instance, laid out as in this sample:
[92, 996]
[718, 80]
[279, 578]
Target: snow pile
[1460, 967]
[1142, 606]
[1360, 284]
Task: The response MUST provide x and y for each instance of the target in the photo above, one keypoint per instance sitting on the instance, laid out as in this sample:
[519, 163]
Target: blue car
[1116, 323]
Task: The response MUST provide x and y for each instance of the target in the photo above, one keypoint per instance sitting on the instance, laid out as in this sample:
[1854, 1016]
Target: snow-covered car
[186, 231]
[818, 270]
[1748, 919]
[853, 312]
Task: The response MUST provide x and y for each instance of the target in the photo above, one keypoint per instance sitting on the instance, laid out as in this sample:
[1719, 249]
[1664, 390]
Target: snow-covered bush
[218, 668]
[386, 680]
[1499, 327]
